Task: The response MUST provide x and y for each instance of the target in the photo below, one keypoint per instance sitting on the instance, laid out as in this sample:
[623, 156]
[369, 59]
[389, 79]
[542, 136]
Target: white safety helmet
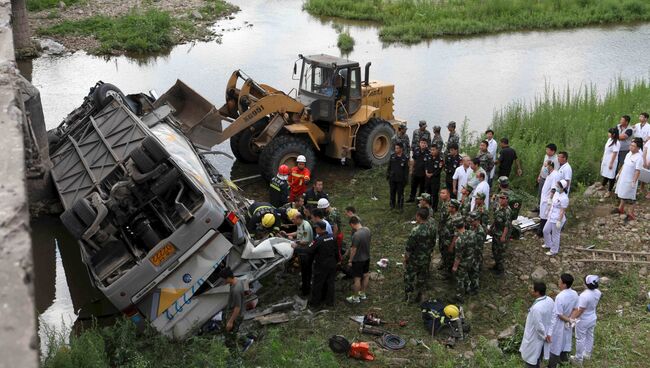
[323, 203]
[301, 158]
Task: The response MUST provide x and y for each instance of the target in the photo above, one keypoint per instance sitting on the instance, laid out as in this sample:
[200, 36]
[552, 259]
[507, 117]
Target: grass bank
[37, 5]
[411, 21]
[575, 120]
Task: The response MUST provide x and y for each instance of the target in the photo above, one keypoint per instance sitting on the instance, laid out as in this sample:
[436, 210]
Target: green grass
[411, 21]
[345, 42]
[38, 5]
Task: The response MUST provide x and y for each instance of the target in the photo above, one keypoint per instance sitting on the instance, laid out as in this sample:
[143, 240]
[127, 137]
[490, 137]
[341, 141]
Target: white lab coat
[560, 332]
[460, 175]
[492, 149]
[610, 149]
[482, 187]
[538, 324]
[566, 173]
[587, 323]
[625, 187]
[549, 184]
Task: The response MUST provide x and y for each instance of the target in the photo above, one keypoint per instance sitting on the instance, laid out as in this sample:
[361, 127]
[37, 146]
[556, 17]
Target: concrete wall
[17, 315]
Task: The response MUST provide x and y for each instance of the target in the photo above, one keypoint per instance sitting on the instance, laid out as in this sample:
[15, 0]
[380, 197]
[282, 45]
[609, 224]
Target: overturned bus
[155, 220]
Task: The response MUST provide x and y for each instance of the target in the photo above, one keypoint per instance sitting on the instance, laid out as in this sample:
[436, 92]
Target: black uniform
[256, 211]
[397, 175]
[420, 158]
[324, 251]
[433, 166]
[278, 192]
[312, 197]
[451, 163]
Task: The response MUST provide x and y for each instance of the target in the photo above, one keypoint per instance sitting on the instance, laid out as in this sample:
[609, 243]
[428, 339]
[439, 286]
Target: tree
[22, 35]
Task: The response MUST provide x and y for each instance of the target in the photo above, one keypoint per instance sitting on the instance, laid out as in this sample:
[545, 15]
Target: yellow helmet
[291, 213]
[452, 311]
[268, 220]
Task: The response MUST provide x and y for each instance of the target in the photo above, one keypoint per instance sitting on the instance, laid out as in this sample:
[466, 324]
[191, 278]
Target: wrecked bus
[154, 219]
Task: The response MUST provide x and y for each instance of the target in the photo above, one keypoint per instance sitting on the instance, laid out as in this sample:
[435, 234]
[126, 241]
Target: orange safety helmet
[361, 350]
[283, 170]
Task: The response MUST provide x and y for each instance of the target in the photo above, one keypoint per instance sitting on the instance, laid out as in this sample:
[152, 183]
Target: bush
[345, 42]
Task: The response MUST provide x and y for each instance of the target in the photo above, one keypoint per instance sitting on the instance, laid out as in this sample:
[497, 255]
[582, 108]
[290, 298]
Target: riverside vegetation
[411, 21]
[575, 121]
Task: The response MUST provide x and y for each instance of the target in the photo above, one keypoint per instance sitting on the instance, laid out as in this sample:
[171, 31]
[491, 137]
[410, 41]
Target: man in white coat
[560, 335]
[538, 323]
[482, 187]
[546, 196]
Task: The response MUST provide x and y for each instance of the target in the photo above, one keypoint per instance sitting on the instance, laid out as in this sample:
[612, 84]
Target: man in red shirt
[299, 178]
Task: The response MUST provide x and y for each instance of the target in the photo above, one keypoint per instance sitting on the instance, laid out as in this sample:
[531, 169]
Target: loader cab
[330, 86]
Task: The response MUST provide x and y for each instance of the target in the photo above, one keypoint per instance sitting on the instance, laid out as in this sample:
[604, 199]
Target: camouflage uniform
[502, 216]
[465, 207]
[465, 253]
[438, 142]
[486, 162]
[479, 242]
[514, 202]
[484, 215]
[418, 248]
[453, 238]
[419, 134]
[334, 218]
[404, 140]
[444, 236]
[453, 138]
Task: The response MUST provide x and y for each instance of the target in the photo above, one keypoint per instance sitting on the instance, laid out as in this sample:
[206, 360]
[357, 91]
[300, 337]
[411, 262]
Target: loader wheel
[284, 149]
[373, 143]
[242, 145]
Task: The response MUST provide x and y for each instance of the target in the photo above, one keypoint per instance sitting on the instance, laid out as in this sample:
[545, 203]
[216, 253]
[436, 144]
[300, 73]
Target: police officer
[514, 201]
[403, 138]
[420, 157]
[500, 231]
[279, 187]
[437, 139]
[323, 251]
[464, 259]
[397, 175]
[433, 168]
[416, 257]
[419, 134]
[263, 218]
[452, 161]
[479, 242]
[453, 136]
[443, 219]
[315, 193]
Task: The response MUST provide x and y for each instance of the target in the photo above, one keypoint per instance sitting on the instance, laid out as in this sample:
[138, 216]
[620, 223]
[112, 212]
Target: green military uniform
[443, 232]
[418, 248]
[404, 140]
[479, 242]
[484, 215]
[465, 253]
[437, 139]
[334, 218]
[454, 236]
[514, 202]
[466, 204]
[486, 161]
[453, 136]
[502, 220]
[419, 134]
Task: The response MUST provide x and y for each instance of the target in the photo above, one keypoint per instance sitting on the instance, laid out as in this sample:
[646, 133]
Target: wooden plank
[612, 261]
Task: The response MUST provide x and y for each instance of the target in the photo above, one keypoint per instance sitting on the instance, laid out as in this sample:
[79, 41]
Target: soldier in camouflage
[486, 161]
[437, 139]
[416, 257]
[425, 202]
[466, 201]
[454, 217]
[479, 242]
[514, 201]
[420, 134]
[479, 206]
[443, 219]
[403, 138]
[464, 259]
[500, 231]
[453, 136]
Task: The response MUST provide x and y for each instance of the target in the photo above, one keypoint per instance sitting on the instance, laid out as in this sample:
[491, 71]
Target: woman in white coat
[560, 335]
[628, 179]
[556, 218]
[610, 161]
[584, 318]
[546, 196]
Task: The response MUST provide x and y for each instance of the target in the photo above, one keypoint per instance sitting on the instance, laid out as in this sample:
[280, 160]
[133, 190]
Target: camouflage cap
[423, 123]
[469, 187]
[452, 124]
[437, 128]
[503, 180]
[503, 195]
[425, 197]
[455, 203]
[474, 215]
[459, 222]
[480, 195]
[402, 126]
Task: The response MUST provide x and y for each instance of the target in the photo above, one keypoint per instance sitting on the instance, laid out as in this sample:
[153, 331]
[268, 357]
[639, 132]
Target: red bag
[361, 350]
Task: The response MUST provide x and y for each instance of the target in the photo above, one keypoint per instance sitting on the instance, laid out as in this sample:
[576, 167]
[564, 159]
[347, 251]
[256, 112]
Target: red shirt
[298, 181]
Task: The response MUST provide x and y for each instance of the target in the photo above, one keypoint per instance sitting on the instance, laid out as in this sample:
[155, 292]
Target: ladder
[613, 256]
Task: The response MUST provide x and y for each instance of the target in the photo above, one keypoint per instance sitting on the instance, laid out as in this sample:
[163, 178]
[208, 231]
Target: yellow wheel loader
[333, 113]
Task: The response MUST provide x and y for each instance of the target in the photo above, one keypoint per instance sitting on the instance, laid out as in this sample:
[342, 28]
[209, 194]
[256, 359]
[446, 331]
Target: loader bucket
[200, 120]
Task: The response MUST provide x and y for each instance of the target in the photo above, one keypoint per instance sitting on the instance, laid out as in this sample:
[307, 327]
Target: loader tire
[373, 143]
[284, 149]
[241, 143]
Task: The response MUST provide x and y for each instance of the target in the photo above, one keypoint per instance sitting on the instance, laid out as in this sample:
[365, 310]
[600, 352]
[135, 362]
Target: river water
[439, 80]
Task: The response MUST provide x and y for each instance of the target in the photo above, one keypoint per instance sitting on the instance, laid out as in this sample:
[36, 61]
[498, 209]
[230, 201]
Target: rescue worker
[298, 204]
[323, 251]
[443, 219]
[452, 236]
[452, 161]
[303, 238]
[479, 242]
[279, 187]
[416, 256]
[479, 206]
[332, 216]
[466, 201]
[314, 194]
[403, 138]
[453, 139]
[233, 316]
[463, 259]
[397, 175]
[425, 202]
[420, 134]
[420, 158]
[299, 178]
[263, 219]
[514, 201]
[500, 231]
[437, 141]
[433, 168]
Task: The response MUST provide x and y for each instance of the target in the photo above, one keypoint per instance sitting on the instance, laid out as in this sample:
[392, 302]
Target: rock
[524, 277]
[622, 216]
[646, 216]
[593, 190]
[468, 355]
[491, 306]
[600, 237]
[80, 11]
[601, 221]
[491, 332]
[51, 47]
[61, 5]
[197, 15]
[643, 271]
[413, 342]
[627, 304]
[374, 276]
[507, 333]
[493, 343]
[539, 273]
[604, 280]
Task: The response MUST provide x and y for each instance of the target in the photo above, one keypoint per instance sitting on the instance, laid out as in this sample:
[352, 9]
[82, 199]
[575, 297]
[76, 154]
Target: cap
[459, 222]
[452, 124]
[402, 126]
[323, 203]
[468, 187]
[480, 195]
[425, 197]
[423, 123]
[455, 203]
[301, 158]
[503, 195]
[474, 215]
[436, 128]
[504, 180]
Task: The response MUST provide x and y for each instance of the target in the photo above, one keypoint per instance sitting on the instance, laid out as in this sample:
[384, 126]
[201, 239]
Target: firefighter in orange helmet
[279, 187]
[299, 178]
